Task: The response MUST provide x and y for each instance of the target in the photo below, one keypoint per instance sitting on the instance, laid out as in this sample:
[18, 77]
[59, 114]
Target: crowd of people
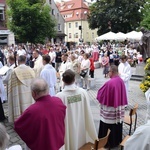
[49, 118]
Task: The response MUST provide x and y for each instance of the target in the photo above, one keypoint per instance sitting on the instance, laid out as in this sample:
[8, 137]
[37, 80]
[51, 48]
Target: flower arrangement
[145, 84]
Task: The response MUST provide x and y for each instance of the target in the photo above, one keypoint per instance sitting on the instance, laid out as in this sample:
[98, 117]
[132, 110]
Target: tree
[30, 20]
[115, 15]
[146, 15]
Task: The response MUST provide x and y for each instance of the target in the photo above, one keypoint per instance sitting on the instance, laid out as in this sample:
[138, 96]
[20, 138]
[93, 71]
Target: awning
[61, 34]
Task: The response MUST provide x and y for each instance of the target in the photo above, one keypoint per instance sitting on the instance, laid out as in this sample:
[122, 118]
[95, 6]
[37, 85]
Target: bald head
[39, 88]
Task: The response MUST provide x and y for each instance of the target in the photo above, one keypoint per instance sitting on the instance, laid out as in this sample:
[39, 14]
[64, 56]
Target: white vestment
[6, 78]
[19, 92]
[2, 89]
[49, 74]
[38, 66]
[124, 70]
[140, 140]
[147, 95]
[63, 67]
[79, 123]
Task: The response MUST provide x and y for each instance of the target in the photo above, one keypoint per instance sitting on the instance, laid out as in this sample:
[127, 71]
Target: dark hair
[47, 58]
[11, 57]
[123, 57]
[64, 54]
[87, 55]
[37, 51]
[68, 77]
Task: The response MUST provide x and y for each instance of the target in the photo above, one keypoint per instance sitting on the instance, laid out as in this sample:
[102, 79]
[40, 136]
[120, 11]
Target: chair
[98, 145]
[132, 117]
[124, 141]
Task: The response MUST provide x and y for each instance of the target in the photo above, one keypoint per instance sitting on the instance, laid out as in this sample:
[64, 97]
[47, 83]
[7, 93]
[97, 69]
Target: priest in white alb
[79, 123]
[49, 74]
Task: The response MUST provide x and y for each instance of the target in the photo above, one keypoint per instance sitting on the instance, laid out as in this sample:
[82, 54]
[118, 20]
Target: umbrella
[120, 36]
[134, 35]
[107, 36]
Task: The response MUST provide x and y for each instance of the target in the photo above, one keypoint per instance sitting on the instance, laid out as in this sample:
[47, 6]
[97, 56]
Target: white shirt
[21, 52]
[85, 64]
[52, 56]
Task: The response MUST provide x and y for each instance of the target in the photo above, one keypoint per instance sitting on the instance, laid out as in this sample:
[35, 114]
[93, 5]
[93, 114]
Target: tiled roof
[74, 9]
[2, 1]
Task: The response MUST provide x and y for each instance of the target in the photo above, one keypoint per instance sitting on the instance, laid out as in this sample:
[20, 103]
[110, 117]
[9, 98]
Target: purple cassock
[41, 126]
[112, 97]
[113, 93]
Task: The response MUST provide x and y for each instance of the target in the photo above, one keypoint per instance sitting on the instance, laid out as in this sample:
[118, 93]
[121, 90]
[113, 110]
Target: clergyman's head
[68, 77]
[39, 88]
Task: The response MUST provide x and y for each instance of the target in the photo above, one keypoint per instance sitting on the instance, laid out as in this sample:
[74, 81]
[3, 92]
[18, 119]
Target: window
[76, 24]
[76, 35]
[50, 1]
[69, 35]
[69, 6]
[57, 15]
[92, 35]
[53, 12]
[2, 15]
[69, 25]
[59, 27]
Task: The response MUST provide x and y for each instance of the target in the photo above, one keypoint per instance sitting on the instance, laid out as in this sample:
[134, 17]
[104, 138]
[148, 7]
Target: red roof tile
[72, 8]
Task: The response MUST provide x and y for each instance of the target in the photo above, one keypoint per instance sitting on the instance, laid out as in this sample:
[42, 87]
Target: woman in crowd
[105, 64]
[85, 65]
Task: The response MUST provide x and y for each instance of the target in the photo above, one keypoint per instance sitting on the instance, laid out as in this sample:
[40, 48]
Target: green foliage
[146, 15]
[30, 20]
[115, 15]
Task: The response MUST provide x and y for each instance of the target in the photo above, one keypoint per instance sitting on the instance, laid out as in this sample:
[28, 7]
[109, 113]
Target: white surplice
[2, 88]
[79, 123]
[124, 70]
[63, 67]
[49, 74]
[38, 66]
[8, 74]
[140, 140]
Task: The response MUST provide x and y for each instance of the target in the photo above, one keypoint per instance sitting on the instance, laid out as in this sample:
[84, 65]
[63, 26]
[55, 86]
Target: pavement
[135, 96]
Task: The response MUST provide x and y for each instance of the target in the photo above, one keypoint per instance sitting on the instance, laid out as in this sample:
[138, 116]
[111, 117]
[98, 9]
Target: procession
[74, 75]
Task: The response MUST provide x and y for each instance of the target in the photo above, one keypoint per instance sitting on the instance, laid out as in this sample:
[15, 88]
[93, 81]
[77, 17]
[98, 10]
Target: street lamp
[80, 27]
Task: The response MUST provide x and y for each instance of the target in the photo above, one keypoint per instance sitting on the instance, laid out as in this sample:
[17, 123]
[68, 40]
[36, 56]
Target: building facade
[6, 37]
[60, 22]
[77, 29]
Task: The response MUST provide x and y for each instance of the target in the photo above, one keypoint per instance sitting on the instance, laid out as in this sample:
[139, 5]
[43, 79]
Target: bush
[145, 84]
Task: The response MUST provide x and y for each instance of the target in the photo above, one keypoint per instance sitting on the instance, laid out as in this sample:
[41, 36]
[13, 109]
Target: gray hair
[114, 68]
[21, 59]
[39, 85]
[4, 137]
